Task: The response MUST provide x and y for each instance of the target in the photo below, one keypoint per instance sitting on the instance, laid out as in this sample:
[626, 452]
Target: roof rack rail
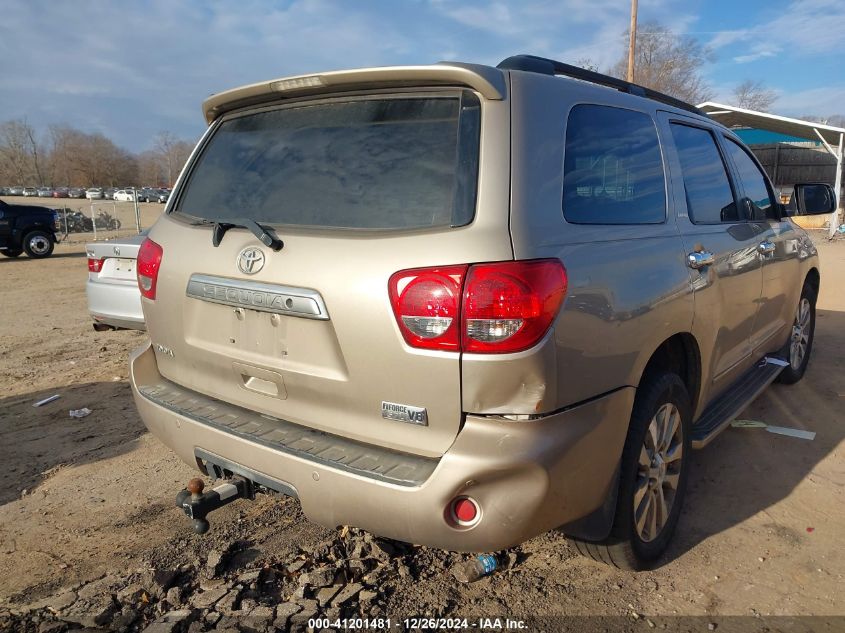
[535, 64]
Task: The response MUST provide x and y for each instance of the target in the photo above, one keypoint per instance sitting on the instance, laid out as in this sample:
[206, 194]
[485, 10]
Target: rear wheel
[800, 344]
[10, 253]
[653, 476]
[38, 244]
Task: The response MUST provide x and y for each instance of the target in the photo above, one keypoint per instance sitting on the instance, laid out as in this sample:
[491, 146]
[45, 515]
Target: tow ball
[197, 504]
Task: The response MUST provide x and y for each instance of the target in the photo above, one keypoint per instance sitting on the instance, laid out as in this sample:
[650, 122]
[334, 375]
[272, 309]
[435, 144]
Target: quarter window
[708, 191]
[613, 168]
[753, 182]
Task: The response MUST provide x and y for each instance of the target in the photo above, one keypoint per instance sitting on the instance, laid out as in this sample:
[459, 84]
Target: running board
[724, 409]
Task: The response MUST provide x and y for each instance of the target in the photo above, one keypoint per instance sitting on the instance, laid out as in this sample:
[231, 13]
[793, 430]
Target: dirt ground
[760, 535]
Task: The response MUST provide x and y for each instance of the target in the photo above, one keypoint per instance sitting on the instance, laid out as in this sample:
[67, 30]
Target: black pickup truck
[27, 228]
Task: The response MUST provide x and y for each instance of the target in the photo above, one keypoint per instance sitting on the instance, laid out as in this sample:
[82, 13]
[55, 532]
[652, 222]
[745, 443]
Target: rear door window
[710, 199]
[387, 162]
[613, 168]
[757, 194]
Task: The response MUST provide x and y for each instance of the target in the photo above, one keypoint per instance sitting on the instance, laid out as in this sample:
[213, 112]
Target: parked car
[124, 195]
[109, 193]
[30, 192]
[26, 228]
[45, 192]
[161, 196]
[114, 299]
[76, 192]
[16, 191]
[95, 193]
[61, 192]
[466, 316]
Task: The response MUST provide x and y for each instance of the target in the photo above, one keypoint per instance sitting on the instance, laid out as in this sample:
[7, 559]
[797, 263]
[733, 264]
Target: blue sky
[132, 69]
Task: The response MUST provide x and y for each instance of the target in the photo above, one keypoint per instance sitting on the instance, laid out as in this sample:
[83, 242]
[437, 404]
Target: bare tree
[836, 120]
[753, 95]
[165, 142]
[74, 158]
[80, 159]
[149, 168]
[668, 63]
[173, 152]
[19, 153]
[587, 64]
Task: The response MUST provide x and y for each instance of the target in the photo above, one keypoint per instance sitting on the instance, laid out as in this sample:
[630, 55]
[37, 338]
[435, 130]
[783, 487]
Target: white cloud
[757, 52]
[805, 27]
[823, 101]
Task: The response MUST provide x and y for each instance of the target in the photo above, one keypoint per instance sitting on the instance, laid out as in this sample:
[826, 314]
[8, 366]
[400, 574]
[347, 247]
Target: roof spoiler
[488, 81]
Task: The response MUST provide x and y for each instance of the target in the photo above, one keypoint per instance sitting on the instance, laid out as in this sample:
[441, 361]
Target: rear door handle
[700, 259]
[766, 247]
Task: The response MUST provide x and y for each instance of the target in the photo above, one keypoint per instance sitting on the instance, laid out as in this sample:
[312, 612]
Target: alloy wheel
[800, 334]
[658, 472]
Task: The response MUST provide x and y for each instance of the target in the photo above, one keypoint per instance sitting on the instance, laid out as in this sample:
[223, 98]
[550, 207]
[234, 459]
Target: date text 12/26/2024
[416, 623]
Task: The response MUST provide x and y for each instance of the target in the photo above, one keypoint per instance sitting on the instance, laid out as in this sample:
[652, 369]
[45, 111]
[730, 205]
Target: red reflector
[149, 263]
[95, 265]
[465, 510]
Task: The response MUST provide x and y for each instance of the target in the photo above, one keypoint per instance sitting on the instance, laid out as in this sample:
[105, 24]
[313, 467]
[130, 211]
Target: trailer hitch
[197, 504]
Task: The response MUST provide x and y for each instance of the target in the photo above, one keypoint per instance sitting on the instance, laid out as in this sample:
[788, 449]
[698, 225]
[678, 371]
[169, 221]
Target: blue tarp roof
[752, 136]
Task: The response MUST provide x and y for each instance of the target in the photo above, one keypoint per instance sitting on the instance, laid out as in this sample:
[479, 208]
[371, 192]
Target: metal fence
[94, 220]
[788, 163]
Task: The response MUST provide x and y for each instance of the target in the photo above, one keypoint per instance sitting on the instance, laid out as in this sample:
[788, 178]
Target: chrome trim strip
[254, 295]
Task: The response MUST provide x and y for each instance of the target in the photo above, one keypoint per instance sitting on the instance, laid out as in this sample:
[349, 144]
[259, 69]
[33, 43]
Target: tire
[629, 547]
[10, 253]
[799, 346]
[38, 244]
[114, 225]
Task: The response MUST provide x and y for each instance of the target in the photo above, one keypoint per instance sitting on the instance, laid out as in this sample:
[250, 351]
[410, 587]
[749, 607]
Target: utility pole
[632, 41]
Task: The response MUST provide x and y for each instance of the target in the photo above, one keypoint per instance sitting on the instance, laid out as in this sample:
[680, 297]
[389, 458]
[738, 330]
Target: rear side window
[613, 170]
[369, 163]
[753, 181]
[710, 199]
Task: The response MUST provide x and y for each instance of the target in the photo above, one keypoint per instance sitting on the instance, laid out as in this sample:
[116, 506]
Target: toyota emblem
[251, 260]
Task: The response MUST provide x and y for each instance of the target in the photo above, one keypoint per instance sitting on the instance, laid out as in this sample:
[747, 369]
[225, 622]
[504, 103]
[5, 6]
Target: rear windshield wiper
[267, 238]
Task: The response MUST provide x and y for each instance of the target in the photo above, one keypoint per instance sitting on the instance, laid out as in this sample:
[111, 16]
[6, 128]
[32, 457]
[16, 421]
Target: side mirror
[812, 199]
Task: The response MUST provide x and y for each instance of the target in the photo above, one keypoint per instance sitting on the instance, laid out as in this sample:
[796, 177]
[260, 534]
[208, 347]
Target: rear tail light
[485, 308]
[509, 306]
[95, 265]
[149, 263]
[427, 304]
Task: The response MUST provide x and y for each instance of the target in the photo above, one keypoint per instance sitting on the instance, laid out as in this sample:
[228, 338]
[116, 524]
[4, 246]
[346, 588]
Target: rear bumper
[115, 304]
[527, 477]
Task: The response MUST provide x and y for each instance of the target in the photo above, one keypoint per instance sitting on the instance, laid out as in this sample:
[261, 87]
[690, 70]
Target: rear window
[613, 169]
[397, 162]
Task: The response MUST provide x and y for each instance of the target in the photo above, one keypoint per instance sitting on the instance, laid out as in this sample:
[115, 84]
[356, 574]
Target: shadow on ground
[22, 258]
[745, 471]
[35, 441]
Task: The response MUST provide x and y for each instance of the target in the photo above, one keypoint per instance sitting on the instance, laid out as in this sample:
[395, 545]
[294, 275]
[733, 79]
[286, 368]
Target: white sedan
[95, 193]
[124, 195]
[114, 300]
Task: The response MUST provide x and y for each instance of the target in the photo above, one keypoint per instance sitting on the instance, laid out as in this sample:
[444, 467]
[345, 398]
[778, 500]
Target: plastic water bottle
[475, 568]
